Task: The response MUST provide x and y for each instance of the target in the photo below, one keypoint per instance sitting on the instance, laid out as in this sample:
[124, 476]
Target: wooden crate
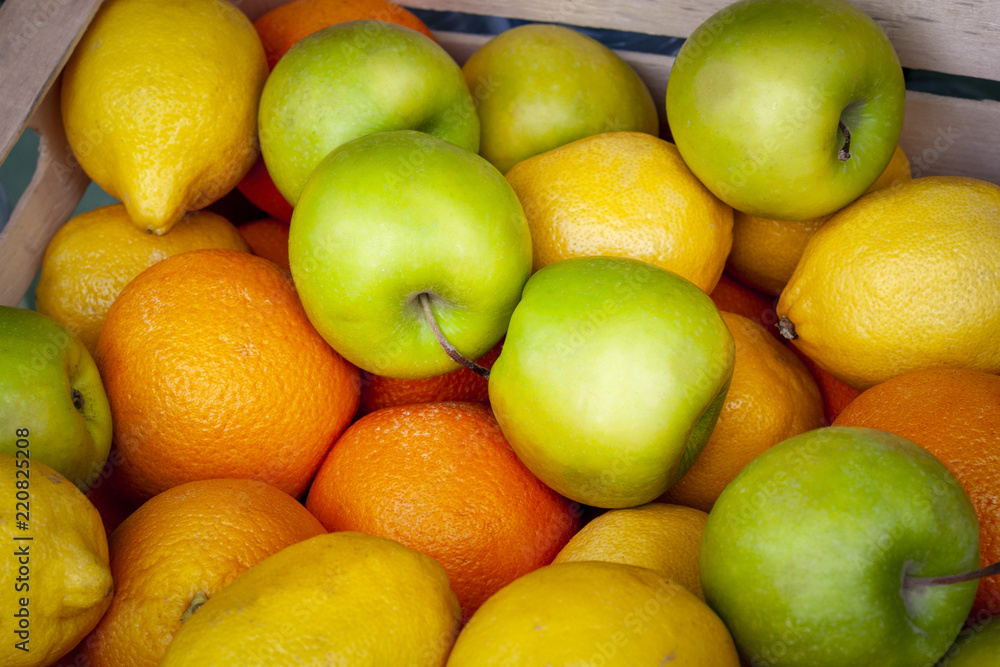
[941, 135]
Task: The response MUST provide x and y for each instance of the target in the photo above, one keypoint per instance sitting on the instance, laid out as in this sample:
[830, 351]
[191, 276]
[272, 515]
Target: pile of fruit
[495, 374]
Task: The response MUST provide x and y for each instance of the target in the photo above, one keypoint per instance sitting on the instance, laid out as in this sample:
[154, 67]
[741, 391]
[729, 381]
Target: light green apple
[813, 553]
[352, 79]
[611, 378]
[978, 645]
[537, 87]
[52, 402]
[389, 217]
[760, 95]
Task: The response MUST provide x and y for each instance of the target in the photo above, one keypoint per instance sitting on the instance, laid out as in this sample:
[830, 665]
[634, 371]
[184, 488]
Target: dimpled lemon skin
[659, 536]
[159, 102]
[904, 278]
[594, 613]
[623, 194]
[342, 598]
[95, 255]
[64, 578]
[766, 251]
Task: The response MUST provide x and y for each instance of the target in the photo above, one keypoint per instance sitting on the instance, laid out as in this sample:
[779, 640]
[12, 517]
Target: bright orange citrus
[94, 255]
[267, 238]
[954, 414]
[734, 297]
[463, 384]
[279, 30]
[441, 479]
[213, 370]
[771, 398]
[180, 548]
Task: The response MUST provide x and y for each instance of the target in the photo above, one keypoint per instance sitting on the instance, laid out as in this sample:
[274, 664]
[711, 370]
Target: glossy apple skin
[357, 78]
[537, 87]
[804, 553]
[611, 378]
[41, 364]
[756, 94]
[388, 216]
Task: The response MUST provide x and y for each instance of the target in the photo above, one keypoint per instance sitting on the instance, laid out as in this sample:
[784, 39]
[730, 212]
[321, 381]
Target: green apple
[978, 645]
[352, 79]
[761, 94]
[537, 87]
[390, 219]
[52, 402]
[611, 378]
[812, 555]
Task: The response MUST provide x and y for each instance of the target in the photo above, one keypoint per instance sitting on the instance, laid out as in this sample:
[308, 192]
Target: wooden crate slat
[951, 37]
[36, 39]
[946, 135]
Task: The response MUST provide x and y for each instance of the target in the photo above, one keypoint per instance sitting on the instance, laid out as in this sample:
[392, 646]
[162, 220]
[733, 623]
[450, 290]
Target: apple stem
[77, 399]
[845, 152]
[982, 572]
[786, 328]
[449, 349]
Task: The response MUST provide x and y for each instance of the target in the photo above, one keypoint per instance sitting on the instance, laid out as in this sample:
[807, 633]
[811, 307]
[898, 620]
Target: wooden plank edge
[36, 40]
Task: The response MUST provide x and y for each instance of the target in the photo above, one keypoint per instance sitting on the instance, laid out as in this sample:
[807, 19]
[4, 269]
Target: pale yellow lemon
[658, 536]
[765, 251]
[159, 102]
[905, 278]
[97, 253]
[341, 598]
[594, 613]
[55, 571]
[624, 194]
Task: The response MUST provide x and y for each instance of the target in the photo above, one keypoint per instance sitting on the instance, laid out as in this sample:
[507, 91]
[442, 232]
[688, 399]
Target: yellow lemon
[624, 194]
[341, 598]
[658, 536]
[902, 279]
[159, 101]
[594, 613]
[55, 572]
[95, 255]
[765, 251]
[771, 397]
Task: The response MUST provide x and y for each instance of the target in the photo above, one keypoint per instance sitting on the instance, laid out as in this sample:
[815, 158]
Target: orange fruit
[378, 391]
[286, 24]
[733, 296]
[261, 191]
[94, 255]
[279, 30]
[441, 479]
[267, 238]
[213, 370]
[180, 548]
[836, 394]
[955, 415]
[771, 398]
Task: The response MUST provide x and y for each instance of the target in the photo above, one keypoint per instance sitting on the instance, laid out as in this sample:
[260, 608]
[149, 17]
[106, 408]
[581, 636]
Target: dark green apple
[538, 87]
[818, 553]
